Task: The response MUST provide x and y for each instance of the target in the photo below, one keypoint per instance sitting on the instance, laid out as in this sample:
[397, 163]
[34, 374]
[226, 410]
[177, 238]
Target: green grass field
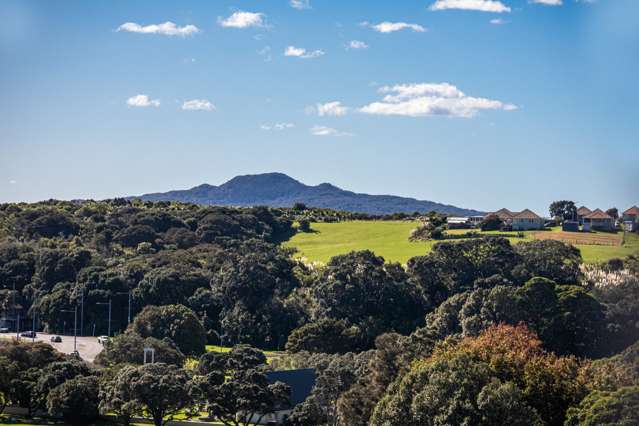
[389, 239]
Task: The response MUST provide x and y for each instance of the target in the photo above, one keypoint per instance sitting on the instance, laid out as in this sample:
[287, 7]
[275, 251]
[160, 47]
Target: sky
[478, 103]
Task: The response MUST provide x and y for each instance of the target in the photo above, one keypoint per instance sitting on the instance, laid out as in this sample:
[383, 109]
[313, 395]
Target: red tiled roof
[598, 214]
[527, 214]
[583, 211]
[632, 210]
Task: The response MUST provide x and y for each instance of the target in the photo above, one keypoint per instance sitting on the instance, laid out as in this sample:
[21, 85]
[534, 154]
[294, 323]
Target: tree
[326, 335]
[162, 390]
[168, 286]
[75, 400]
[563, 210]
[298, 207]
[550, 259]
[607, 408]
[304, 226]
[613, 212]
[246, 397]
[128, 348]
[356, 288]
[116, 394]
[491, 222]
[54, 375]
[176, 322]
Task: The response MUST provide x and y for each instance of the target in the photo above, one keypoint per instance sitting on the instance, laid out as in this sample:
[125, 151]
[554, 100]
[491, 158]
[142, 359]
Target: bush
[76, 400]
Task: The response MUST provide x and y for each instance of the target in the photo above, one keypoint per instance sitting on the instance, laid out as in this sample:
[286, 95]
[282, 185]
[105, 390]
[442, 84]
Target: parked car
[30, 334]
[103, 339]
[4, 329]
[56, 339]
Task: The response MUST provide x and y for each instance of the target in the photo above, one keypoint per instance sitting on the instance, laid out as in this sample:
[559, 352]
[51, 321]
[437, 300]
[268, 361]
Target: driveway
[88, 347]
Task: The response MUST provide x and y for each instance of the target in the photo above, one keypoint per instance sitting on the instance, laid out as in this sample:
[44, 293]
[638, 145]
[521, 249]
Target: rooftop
[598, 214]
[527, 214]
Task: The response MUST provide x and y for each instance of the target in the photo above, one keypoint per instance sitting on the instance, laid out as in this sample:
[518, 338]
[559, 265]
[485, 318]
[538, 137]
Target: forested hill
[280, 190]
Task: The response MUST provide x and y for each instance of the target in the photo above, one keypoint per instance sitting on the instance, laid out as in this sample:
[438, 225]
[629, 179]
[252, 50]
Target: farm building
[598, 220]
[630, 219]
[581, 213]
[527, 219]
[301, 383]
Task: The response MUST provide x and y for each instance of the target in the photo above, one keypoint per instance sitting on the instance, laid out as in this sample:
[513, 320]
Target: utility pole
[33, 314]
[128, 318]
[82, 312]
[18, 326]
[75, 326]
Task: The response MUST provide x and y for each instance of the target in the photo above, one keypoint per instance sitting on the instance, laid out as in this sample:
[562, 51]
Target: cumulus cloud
[142, 101]
[428, 99]
[334, 108]
[300, 52]
[498, 21]
[300, 4]
[277, 126]
[198, 105]
[241, 19]
[356, 44]
[167, 28]
[327, 131]
[389, 27]
[547, 2]
[480, 5]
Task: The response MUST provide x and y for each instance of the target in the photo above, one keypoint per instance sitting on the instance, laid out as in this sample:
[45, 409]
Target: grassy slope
[390, 240]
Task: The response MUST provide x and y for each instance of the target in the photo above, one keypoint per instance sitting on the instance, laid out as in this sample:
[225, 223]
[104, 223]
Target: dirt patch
[582, 238]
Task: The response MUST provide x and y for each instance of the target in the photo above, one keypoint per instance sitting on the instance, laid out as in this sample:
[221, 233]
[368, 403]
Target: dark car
[30, 334]
[56, 339]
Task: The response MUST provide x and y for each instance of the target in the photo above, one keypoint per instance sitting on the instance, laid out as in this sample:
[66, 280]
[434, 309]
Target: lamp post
[75, 327]
[128, 318]
[109, 324]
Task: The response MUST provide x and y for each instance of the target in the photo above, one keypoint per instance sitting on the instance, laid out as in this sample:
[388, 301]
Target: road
[88, 347]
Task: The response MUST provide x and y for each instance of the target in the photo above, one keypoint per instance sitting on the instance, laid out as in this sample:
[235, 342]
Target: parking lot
[88, 347]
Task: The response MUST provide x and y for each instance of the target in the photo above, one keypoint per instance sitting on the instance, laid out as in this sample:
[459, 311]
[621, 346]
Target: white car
[103, 339]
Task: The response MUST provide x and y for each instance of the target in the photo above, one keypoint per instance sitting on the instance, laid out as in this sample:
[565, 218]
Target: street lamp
[128, 318]
[109, 324]
[75, 327]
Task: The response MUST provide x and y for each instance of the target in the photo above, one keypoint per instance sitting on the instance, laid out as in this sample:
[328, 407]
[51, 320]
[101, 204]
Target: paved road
[88, 347]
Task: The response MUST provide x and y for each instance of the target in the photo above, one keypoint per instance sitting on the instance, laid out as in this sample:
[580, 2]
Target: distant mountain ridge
[280, 190]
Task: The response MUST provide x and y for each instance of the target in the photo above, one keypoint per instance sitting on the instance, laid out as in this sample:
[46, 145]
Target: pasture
[389, 239]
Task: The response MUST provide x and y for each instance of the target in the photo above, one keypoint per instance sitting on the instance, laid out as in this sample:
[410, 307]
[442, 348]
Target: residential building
[505, 215]
[598, 220]
[581, 213]
[630, 219]
[458, 222]
[527, 220]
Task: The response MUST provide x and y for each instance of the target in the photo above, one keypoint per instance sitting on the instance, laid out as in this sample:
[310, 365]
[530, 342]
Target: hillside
[280, 190]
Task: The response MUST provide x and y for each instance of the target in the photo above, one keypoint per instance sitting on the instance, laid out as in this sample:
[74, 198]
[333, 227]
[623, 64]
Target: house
[458, 222]
[526, 220]
[475, 221]
[630, 219]
[581, 213]
[301, 383]
[505, 215]
[598, 220]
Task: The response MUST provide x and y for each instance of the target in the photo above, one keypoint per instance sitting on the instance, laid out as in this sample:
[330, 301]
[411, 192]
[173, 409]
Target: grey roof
[300, 381]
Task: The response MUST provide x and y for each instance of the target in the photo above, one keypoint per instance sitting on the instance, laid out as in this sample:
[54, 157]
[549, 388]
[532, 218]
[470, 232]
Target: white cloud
[356, 44]
[334, 108]
[265, 52]
[327, 131]
[547, 2]
[389, 27]
[277, 126]
[167, 28]
[241, 19]
[480, 5]
[13, 182]
[300, 4]
[498, 21]
[198, 105]
[300, 52]
[142, 101]
[428, 99]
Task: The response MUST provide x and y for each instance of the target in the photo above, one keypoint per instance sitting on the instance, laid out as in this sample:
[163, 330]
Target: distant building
[505, 215]
[582, 212]
[570, 226]
[475, 221]
[301, 383]
[458, 222]
[598, 220]
[527, 220]
[630, 219]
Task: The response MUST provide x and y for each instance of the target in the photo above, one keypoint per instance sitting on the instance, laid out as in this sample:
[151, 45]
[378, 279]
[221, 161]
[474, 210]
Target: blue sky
[516, 106]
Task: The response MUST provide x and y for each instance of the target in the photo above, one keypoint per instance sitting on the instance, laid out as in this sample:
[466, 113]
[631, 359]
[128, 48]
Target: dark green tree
[75, 400]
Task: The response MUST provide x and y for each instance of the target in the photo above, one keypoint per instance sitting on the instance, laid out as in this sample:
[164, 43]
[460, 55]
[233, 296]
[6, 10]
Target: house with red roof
[582, 212]
[630, 219]
[527, 220]
[598, 220]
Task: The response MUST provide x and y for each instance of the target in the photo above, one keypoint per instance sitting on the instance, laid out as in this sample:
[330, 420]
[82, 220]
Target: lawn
[389, 239]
